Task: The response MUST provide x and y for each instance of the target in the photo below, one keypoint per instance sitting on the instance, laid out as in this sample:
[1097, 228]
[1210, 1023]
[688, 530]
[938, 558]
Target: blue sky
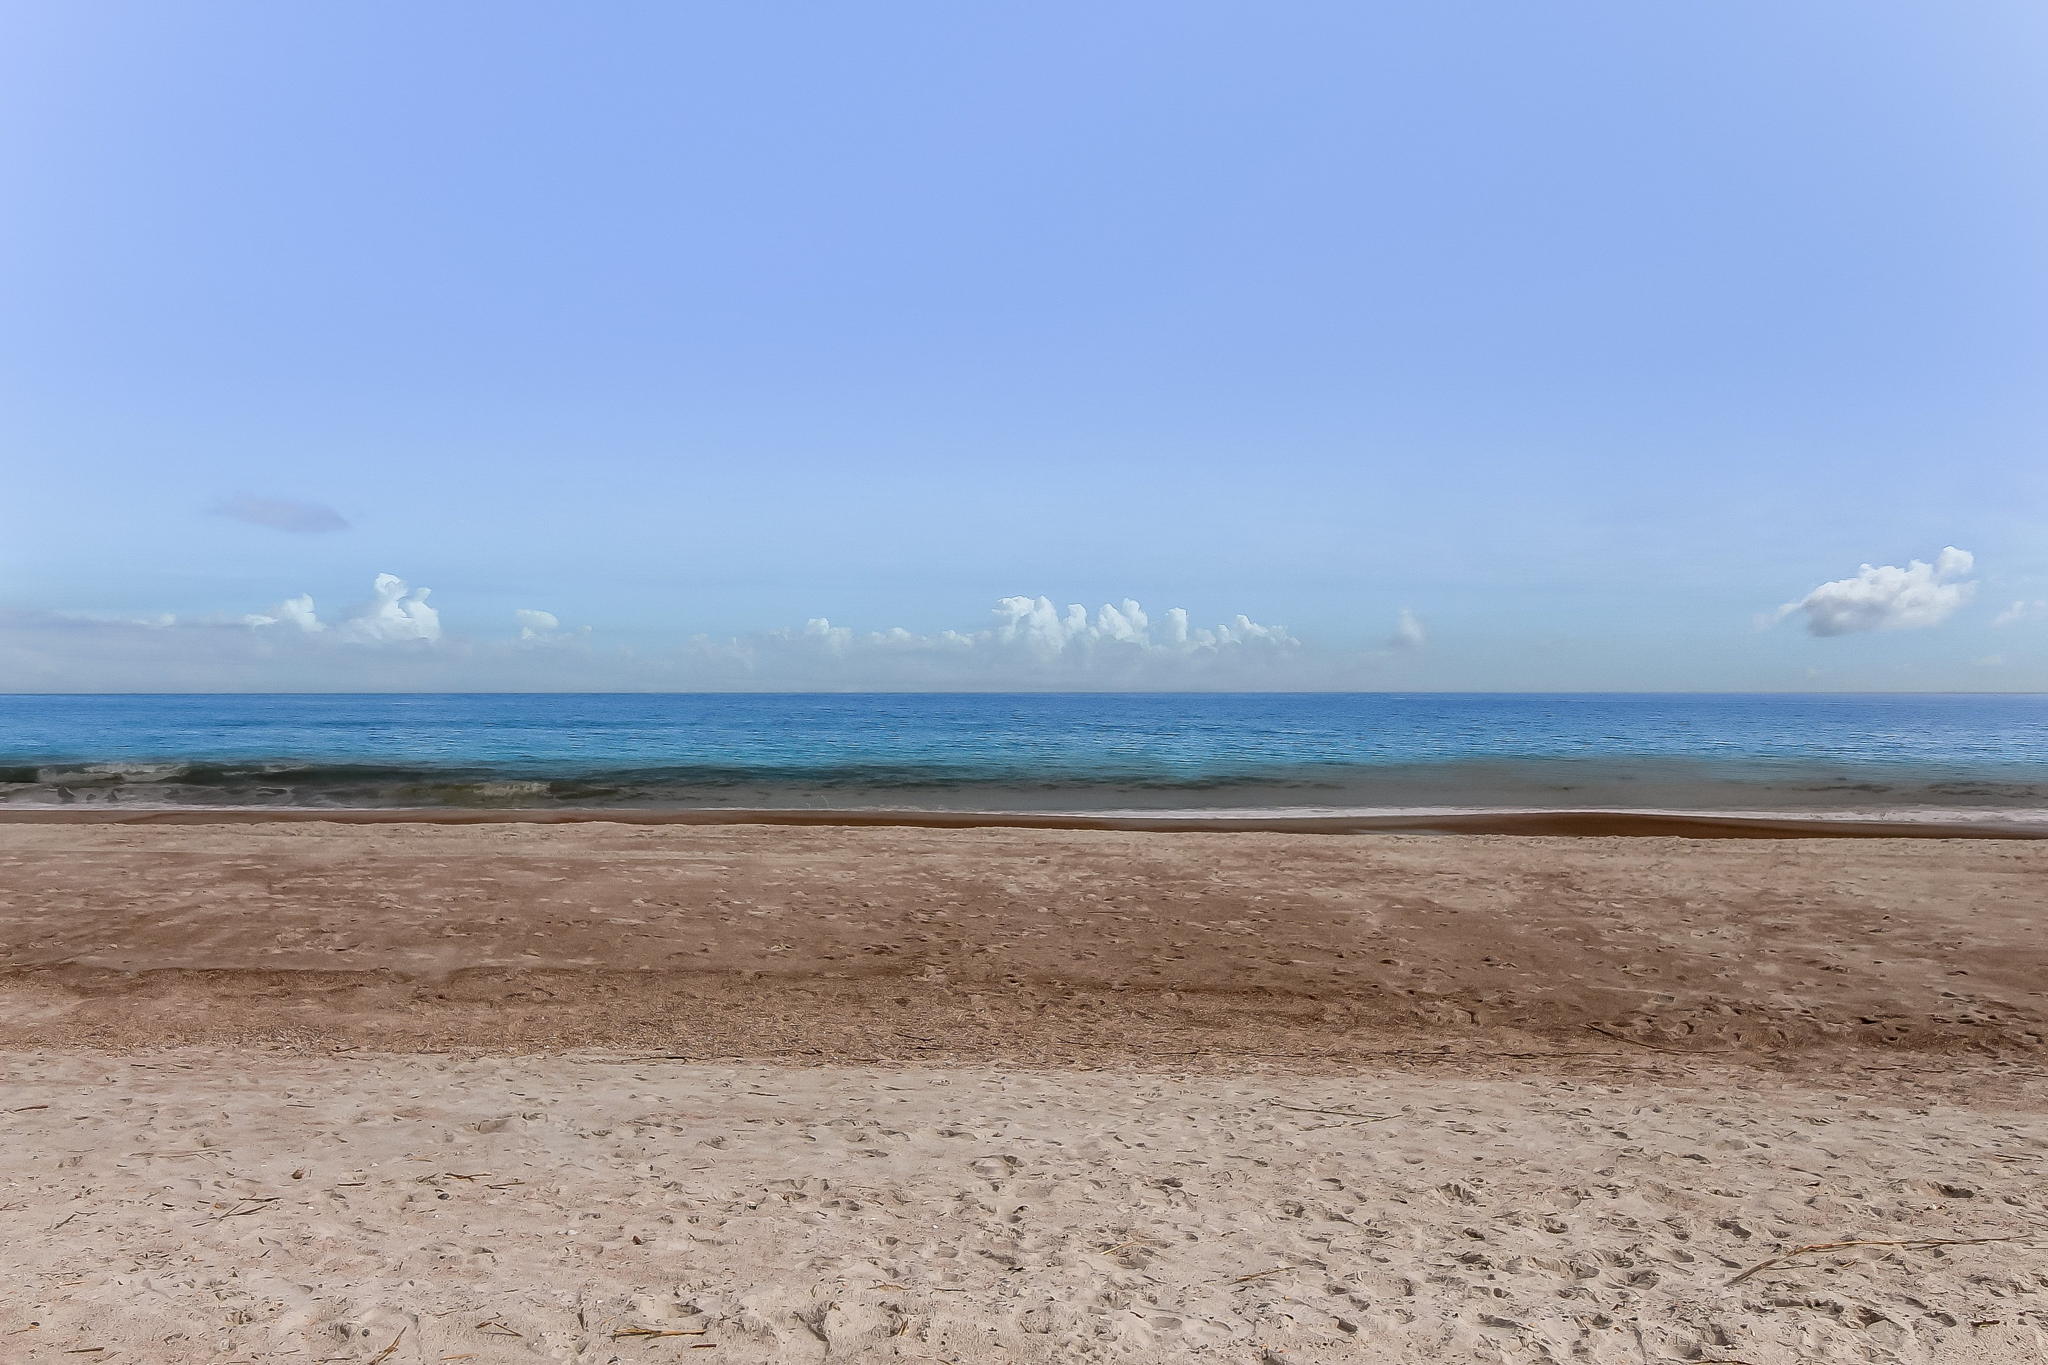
[1589, 335]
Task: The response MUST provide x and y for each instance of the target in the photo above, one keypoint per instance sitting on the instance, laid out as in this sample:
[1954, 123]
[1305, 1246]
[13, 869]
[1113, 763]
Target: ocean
[1944, 757]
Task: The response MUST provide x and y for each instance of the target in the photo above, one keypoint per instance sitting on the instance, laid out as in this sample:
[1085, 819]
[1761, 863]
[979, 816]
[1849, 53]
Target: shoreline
[1561, 823]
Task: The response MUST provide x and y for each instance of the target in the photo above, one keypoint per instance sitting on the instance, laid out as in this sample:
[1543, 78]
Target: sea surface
[1891, 756]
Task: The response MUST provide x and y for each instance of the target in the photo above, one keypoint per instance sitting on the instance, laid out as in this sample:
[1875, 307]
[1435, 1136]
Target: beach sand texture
[407, 1093]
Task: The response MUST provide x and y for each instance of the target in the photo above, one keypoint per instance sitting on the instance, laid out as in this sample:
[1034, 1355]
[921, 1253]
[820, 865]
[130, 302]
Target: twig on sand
[196, 1151]
[1345, 1113]
[1904, 1244]
[497, 1329]
[385, 1354]
[622, 1333]
[254, 1205]
[1262, 1274]
[1129, 1242]
[1605, 1032]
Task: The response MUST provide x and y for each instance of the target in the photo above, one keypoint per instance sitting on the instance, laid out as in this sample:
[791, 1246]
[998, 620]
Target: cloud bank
[396, 641]
[282, 514]
[1885, 597]
[1027, 642]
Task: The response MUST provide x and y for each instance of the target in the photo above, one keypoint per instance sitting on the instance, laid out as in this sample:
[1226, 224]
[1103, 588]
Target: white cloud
[1035, 626]
[538, 627]
[1033, 631]
[1885, 597]
[1409, 634]
[2013, 615]
[396, 613]
[293, 611]
[1028, 642]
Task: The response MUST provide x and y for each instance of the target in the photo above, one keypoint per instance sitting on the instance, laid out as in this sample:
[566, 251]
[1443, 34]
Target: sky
[1465, 346]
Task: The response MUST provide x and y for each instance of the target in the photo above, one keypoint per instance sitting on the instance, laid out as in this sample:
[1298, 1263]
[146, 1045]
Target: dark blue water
[1036, 752]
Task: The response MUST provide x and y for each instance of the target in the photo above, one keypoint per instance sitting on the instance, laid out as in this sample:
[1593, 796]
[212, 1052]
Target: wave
[1049, 784]
[1608, 824]
[95, 774]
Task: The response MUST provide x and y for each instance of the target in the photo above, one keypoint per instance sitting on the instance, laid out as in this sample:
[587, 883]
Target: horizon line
[1099, 692]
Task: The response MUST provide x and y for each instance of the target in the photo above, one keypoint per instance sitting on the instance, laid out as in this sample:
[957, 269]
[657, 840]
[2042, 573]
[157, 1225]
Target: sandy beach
[1029, 684]
[405, 1092]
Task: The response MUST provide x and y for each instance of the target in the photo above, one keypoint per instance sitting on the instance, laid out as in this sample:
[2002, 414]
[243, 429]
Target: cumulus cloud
[1034, 626]
[396, 613]
[1033, 632]
[1025, 643]
[293, 611]
[1886, 597]
[2036, 610]
[538, 627]
[282, 514]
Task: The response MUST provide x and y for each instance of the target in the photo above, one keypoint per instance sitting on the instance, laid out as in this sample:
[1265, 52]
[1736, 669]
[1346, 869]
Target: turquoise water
[1868, 754]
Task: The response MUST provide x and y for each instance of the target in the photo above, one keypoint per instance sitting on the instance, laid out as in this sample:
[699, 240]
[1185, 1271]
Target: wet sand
[1039, 946]
[500, 1091]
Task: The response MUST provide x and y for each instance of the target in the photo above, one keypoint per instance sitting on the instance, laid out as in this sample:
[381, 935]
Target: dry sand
[307, 1092]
